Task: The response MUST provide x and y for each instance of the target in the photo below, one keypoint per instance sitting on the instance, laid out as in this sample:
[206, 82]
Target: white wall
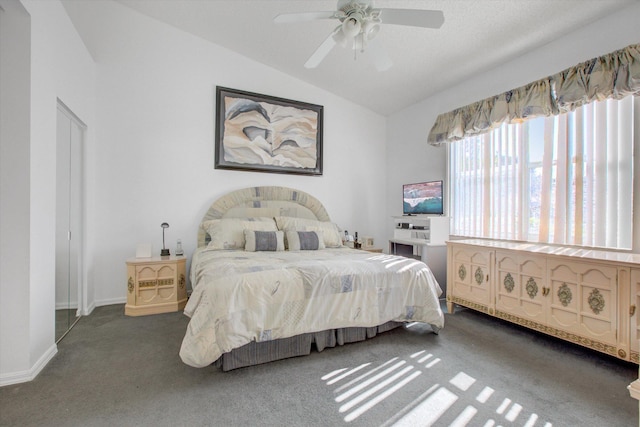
[411, 159]
[14, 187]
[61, 68]
[154, 157]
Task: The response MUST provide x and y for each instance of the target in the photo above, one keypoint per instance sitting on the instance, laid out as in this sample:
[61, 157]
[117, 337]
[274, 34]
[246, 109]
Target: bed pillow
[258, 241]
[228, 233]
[329, 230]
[304, 240]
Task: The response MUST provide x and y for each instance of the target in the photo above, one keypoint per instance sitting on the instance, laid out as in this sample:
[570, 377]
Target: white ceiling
[477, 35]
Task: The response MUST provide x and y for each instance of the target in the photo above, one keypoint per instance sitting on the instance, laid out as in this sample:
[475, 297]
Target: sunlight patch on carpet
[429, 410]
[464, 417]
[380, 386]
[368, 382]
[503, 406]
[332, 374]
[462, 381]
[360, 389]
[355, 414]
[346, 374]
[485, 394]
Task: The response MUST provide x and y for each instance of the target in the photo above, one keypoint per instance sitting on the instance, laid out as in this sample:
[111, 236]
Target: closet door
[68, 219]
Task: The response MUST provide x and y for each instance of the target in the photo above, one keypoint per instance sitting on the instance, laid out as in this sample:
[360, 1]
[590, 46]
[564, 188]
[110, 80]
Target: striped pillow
[328, 230]
[258, 241]
[304, 240]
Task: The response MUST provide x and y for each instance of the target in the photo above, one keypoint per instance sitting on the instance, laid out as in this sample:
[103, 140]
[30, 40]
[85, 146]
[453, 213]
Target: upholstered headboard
[263, 202]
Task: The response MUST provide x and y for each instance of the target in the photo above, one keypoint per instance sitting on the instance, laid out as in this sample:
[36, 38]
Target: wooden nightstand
[155, 285]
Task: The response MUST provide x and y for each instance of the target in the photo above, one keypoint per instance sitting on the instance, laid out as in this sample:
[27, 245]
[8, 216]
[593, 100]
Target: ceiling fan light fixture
[351, 26]
[371, 28]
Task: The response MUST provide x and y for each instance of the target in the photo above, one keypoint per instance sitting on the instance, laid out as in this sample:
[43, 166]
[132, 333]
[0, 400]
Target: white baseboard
[66, 305]
[89, 309]
[110, 301]
[30, 374]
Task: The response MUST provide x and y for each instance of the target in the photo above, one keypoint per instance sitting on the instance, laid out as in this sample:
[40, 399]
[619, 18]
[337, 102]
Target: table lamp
[164, 251]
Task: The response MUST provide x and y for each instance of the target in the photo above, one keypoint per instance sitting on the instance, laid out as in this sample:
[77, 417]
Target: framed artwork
[263, 133]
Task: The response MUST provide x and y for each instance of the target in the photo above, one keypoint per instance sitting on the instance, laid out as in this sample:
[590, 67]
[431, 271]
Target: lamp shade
[351, 26]
[370, 29]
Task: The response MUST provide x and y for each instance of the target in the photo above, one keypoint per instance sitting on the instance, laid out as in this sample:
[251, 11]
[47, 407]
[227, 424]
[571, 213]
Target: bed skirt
[256, 353]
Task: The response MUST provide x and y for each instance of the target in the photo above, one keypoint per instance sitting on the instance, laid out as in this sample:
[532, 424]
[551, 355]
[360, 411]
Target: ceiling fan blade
[287, 18]
[322, 50]
[378, 54]
[412, 17]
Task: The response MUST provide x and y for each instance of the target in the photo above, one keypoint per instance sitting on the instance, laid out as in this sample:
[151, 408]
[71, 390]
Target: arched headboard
[265, 201]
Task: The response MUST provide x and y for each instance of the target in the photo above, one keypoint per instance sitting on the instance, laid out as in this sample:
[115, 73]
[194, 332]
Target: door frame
[79, 155]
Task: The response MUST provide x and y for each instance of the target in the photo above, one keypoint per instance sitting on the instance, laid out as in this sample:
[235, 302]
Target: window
[565, 179]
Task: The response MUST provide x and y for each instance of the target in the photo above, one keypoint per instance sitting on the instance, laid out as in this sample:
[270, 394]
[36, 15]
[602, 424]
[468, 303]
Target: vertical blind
[564, 179]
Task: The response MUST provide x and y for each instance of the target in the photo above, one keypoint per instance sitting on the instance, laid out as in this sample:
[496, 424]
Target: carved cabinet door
[156, 284]
[520, 288]
[471, 271]
[583, 302]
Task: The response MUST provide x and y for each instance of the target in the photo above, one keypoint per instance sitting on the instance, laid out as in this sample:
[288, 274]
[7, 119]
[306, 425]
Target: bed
[272, 280]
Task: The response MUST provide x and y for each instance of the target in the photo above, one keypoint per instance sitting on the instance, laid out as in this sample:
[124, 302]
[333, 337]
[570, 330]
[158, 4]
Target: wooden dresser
[588, 297]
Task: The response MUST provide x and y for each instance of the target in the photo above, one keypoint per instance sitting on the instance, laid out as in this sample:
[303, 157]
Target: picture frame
[262, 133]
[367, 242]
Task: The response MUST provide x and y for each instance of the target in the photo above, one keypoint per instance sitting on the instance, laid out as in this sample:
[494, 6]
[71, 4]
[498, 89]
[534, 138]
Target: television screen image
[423, 198]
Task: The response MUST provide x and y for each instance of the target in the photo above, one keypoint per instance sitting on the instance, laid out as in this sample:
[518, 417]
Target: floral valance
[615, 75]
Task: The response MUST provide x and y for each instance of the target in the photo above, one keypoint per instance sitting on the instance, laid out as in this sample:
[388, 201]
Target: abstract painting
[263, 133]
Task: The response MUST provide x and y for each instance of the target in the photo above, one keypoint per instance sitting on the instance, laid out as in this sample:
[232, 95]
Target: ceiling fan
[359, 24]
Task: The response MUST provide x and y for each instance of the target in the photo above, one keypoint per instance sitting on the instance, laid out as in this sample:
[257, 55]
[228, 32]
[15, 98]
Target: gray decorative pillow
[328, 230]
[304, 240]
[257, 241]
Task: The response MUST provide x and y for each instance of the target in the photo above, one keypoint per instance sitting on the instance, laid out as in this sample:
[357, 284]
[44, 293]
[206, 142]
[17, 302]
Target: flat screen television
[423, 198]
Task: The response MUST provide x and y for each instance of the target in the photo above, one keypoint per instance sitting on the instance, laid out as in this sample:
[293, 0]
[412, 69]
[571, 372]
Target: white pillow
[228, 233]
[258, 241]
[329, 230]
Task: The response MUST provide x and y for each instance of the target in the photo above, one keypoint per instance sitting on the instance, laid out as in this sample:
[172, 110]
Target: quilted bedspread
[239, 296]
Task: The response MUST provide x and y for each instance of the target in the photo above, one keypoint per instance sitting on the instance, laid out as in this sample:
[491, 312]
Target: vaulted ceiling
[477, 35]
